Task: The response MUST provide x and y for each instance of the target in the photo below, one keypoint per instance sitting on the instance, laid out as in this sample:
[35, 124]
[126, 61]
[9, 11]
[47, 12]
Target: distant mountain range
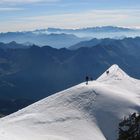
[88, 43]
[106, 41]
[93, 29]
[55, 40]
[36, 72]
[64, 38]
[14, 45]
[97, 32]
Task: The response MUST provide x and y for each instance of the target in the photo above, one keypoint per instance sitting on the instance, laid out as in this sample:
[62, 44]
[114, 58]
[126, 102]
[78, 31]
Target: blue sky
[18, 15]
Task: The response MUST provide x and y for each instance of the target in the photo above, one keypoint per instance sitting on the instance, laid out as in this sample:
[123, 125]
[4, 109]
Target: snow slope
[83, 112]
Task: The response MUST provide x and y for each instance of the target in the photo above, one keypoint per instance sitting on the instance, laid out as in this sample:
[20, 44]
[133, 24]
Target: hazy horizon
[45, 28]
[19, 15]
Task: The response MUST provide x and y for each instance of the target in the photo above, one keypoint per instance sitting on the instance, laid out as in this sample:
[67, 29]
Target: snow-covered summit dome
[113, 73]
[83, 112]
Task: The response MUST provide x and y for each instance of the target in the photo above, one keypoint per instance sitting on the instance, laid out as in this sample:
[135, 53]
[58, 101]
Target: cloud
[88, 18]
[26, 1]
[6, 9]
[121, 17]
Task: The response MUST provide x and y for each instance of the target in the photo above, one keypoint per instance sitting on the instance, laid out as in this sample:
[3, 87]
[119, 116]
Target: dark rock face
[129, 128]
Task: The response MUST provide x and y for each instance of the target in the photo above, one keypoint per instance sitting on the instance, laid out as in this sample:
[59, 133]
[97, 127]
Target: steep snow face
[119, 78]
[82, 112]
[113, 73]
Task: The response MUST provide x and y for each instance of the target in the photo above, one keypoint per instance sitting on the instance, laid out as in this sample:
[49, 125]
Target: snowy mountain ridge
[82, 112]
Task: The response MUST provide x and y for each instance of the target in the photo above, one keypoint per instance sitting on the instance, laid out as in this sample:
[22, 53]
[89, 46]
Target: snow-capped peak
[82, 112]
[113, 73]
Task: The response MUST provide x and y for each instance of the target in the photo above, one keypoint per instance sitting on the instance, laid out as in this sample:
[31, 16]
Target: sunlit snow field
[83, 112]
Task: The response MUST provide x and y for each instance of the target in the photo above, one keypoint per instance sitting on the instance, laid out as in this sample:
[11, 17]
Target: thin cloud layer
[26, 1]
[32, 14]
[88, 18]
[6, 9]
[78, 20]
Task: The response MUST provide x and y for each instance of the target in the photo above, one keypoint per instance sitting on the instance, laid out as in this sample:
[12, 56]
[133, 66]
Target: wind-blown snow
[83, 112]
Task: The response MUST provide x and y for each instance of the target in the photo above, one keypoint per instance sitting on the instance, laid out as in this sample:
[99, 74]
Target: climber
[107, 72]
[87, 79]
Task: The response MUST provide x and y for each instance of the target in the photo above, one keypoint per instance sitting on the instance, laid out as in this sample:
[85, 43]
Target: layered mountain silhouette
[37, 72]
[60, 38]
[88, 43]
[91, 29]
[41, 39]
[107, 41]
[14, 45]
[97, 32]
